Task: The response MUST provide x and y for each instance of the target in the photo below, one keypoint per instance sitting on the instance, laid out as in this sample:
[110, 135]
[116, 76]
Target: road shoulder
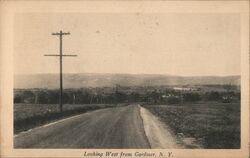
[157, 132]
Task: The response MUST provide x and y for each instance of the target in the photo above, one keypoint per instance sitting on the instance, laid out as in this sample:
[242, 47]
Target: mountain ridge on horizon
[81, 80]
[94, 73]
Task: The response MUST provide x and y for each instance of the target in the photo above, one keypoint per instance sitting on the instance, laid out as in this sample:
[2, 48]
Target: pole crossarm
[66, 55]
[61, 33]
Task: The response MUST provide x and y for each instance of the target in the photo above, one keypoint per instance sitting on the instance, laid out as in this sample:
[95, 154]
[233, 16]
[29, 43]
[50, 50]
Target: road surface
[120, 127]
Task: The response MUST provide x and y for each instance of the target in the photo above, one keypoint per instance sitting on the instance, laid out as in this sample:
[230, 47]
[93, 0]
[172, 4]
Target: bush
[191, 97]
[173, 100]
[17, 98]
[213, 96]
[27, 97]
[42, 97]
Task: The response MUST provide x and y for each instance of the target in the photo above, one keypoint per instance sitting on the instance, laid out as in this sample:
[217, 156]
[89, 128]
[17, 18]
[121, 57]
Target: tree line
[81, 96]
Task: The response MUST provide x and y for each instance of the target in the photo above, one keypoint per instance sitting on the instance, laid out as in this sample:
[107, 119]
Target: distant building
[185, 88]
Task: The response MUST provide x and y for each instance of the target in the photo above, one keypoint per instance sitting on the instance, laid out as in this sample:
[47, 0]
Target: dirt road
[120, 127]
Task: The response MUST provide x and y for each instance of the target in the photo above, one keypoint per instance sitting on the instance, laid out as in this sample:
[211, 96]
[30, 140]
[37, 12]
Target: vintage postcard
[116, 79]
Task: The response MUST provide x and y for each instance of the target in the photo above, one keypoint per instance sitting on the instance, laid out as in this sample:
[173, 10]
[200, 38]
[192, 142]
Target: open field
[211, 125]
[27, 116]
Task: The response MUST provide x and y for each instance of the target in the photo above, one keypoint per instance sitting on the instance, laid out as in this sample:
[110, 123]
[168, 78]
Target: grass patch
[213, 125]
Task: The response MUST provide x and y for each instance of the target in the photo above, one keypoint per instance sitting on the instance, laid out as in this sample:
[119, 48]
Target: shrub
[191, 97]
[213, 96]
[173, 100]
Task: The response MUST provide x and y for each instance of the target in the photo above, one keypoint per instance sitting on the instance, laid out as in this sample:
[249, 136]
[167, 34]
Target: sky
[193, 44]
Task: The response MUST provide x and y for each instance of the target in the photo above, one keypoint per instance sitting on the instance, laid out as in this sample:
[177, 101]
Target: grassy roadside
[27, 116]
[211, 125]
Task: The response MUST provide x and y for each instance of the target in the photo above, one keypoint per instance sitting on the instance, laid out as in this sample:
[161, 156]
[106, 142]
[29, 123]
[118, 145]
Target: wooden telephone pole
[61, 55]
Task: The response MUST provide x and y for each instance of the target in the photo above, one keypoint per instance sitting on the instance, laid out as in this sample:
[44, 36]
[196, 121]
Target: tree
[120, 96]
[17, 98]
[214, 96]
[173, 100]
[155, 96]
[191, 97]
[53, 96]
[27, 97]
[42, 97]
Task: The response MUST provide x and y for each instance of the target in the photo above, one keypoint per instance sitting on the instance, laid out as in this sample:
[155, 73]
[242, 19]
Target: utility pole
[60, 55]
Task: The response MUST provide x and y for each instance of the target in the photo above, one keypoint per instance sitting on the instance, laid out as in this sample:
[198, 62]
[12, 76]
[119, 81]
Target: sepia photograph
[128, 80]
[122, 85]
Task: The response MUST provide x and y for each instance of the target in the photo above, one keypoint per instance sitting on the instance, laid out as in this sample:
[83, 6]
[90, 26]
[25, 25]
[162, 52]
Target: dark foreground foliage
[212, 125]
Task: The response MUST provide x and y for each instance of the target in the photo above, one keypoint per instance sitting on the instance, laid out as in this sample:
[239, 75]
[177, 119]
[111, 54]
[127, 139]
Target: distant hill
[109, 80]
